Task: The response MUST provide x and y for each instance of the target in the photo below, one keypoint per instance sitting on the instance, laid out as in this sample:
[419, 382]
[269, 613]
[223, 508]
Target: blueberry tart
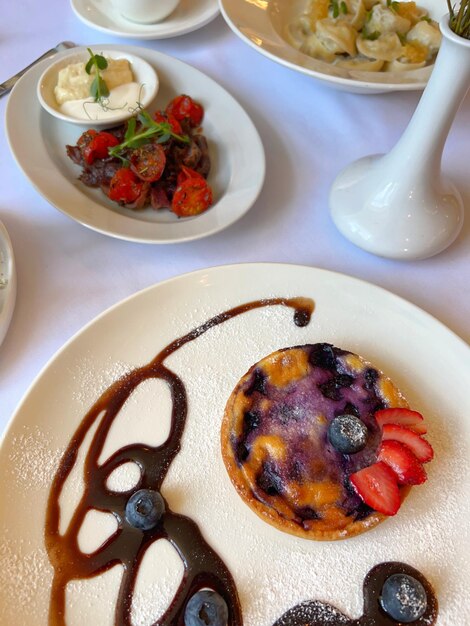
[321, 444]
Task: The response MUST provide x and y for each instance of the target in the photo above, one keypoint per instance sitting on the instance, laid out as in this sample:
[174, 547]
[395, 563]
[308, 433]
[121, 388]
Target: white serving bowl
[144, 74]
[263, 24]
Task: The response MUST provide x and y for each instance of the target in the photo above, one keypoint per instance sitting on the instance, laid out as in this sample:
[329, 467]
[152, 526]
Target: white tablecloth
[68, 274]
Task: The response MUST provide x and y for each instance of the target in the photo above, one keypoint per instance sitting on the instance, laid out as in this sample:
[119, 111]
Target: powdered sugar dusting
[24, 572]
[32, 461]
[91, 382]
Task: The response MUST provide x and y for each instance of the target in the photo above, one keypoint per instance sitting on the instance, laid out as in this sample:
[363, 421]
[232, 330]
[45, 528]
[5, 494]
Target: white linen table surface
[68, 274]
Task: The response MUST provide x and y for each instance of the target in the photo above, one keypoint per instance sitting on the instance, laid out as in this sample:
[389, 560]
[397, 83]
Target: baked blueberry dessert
[320, 443]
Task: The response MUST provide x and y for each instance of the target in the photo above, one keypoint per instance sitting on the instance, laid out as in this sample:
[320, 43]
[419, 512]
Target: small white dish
[263, 25]
[187, 17]
[145, 11]
[37, 141]
[144, 75]
[7, 281]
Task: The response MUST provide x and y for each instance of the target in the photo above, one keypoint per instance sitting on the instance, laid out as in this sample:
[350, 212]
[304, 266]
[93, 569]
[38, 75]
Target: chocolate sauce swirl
[315, 613]
[127, 546]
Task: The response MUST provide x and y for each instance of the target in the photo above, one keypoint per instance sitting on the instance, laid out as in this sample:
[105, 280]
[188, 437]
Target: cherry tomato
[97, 147]
[185, 108]
[167, 118]
[148, 162]
[86, 137]
[185, 173]
[125, 187]
[192, 197]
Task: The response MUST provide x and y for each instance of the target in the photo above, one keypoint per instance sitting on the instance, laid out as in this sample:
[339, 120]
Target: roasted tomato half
[192, 197]
[125, 187]
[148, 162]
[185, 173]
[183, 107]
[94, 145]
[166, 118]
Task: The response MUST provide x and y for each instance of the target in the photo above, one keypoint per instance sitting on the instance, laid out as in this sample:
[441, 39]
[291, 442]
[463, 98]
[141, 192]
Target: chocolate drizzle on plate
[315, 613]
[127, 546]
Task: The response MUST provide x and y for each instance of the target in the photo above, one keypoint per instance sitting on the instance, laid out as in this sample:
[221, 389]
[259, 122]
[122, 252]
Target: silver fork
[9, 84]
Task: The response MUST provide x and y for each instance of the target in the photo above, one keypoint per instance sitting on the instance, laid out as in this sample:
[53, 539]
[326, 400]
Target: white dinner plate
[7, 281]
[264, 26]
[272, 570]
[38, 142]
[188, 16]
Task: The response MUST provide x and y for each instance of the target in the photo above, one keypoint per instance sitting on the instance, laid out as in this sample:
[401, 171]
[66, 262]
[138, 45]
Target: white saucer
[7, 281]
[189, 15]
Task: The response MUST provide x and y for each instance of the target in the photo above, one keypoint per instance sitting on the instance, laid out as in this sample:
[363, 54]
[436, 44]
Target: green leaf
[344, 8]
[89, 66]
[145, 119]
[164, 138]
[94, 88]
[101, 62]
[130, 129]
[103, 87]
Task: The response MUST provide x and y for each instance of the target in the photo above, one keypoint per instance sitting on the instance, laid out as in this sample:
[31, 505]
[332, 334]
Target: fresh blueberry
[403, 598]
[347, 434]
[144, 509]
[206, 608]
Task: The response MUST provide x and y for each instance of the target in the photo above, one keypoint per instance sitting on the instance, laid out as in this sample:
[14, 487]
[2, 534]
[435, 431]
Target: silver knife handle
[9, 84]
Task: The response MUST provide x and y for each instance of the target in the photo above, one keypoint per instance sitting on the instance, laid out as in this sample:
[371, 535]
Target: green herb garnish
[98, 88]
[371, 36]
[334, 8]
[460, 22]
[148, 130]
[402, 38]
[344, 8]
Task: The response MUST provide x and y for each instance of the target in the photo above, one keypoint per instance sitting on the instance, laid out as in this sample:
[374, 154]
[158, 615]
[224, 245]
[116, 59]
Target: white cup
[145, 11]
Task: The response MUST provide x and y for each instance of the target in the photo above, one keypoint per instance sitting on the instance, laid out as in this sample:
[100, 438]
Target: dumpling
[356, 13]
[360, 64]
[427, 34]
[337, 36]
[400, 66]
[316, 49]
[318, 11]
[383, 20]
[415, 52]
[410, 11]
[386, 47]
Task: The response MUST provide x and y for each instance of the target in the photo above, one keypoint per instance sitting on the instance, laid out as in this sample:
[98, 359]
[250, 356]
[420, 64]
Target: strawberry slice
[419, 446]
[402, 417]
[403, 462]
[377, 486]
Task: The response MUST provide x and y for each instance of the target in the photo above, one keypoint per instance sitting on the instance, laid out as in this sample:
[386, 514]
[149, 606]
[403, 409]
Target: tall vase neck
[424, 139]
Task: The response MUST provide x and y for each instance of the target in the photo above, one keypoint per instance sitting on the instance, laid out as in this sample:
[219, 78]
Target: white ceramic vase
[400, 205]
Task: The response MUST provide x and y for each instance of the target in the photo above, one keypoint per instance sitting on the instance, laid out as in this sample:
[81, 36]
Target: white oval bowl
[263, 24]
[143, 72]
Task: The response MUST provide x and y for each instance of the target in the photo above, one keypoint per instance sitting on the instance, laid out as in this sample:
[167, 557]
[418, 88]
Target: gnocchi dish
[367, 35]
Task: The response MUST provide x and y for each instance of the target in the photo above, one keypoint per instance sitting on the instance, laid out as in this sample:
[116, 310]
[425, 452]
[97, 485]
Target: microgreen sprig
[98, 88]
[460, 22]
[148, 130]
